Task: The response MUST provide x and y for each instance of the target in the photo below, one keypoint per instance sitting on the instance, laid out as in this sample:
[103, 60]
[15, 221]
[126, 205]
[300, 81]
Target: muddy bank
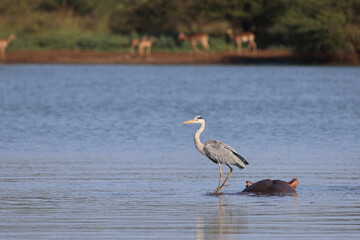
[98, 57]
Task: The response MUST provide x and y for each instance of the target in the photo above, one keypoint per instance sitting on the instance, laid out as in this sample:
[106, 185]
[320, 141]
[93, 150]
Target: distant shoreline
[108, 57]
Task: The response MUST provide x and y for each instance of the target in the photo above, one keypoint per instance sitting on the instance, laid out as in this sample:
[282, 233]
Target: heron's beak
[190, 121]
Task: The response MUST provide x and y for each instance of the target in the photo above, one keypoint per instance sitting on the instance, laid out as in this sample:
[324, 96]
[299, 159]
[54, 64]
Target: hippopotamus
[268, 186]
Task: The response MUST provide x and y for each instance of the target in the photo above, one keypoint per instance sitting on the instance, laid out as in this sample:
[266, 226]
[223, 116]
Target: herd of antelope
[202, 38]
[144, 44]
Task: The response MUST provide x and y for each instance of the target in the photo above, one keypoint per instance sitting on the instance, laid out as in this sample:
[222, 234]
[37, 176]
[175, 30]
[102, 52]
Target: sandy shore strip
[101, 57]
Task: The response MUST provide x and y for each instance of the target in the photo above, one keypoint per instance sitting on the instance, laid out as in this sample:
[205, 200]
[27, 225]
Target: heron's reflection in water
[225, 223]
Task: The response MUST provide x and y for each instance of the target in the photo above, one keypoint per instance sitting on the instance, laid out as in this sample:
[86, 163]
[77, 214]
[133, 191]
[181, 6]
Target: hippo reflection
[268, 186]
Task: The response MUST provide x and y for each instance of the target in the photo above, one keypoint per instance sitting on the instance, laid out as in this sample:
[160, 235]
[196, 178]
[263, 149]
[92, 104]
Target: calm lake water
[100, 151]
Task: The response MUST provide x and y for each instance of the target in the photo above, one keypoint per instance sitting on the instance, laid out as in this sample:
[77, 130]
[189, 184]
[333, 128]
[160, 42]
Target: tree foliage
[331, 27]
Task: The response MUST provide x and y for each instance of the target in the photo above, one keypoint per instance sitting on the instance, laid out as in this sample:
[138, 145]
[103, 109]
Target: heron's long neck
[199, 145]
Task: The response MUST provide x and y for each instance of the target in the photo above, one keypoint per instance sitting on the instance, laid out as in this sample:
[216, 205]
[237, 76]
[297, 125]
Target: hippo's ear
[248, 183]
[293, 183]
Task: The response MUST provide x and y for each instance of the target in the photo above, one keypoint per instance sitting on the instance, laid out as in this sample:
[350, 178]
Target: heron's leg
[227, 176]
[218, 188]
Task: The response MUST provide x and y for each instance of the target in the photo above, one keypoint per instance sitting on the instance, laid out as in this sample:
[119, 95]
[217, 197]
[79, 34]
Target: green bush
[113, 42]
[165, 42]
[219, 44]
[81, 7]
[87, 42]
[50, 41]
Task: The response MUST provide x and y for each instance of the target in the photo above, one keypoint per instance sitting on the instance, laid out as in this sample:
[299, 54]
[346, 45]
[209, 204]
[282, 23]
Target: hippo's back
[268, 186]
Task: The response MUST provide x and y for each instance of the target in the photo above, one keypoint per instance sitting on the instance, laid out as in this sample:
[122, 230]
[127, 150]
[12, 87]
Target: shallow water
[99, 151]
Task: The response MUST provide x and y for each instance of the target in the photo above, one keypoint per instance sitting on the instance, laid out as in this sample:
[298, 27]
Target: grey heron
[217, 152]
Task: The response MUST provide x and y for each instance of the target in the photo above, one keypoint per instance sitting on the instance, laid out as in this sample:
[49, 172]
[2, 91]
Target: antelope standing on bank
[195, 38]
[146, 45]
[3, 45]
[246, 37]
[135, 43]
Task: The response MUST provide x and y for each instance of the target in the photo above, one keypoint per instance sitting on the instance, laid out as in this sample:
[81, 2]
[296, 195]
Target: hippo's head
[268, 186]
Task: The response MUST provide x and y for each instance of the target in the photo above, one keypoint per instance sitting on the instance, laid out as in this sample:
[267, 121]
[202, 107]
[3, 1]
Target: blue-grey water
[100, 151]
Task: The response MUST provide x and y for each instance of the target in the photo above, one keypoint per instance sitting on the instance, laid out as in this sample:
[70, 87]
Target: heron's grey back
[222, 153]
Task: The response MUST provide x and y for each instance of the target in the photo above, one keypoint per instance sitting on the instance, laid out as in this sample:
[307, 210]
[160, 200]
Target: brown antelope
[135, 43]
[195, 38]
[146, 44]
[246, 37]
[3, 44]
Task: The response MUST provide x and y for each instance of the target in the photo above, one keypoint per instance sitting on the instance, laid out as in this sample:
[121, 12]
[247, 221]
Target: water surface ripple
[99, 151]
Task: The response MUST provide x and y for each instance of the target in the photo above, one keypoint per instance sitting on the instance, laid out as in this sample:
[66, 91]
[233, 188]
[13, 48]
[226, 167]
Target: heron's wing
[235, 152]
[220, 152]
